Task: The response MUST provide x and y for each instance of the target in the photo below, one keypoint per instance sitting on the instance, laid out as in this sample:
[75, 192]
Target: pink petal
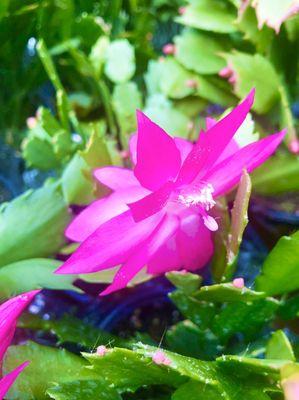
[231, 147]
[207, 150]
[152, 203]
[166, 259]
[97, 213]
[158, 158]
[191, 248]
[275, 19]
[184, 146]
[138, 260]
[228, 173]
[6, 336]
[133, 148]
[111, 244]
[116, 177]
[8, 380]
[194, 242]
[210, 122]
[9, 313]
[101, 211]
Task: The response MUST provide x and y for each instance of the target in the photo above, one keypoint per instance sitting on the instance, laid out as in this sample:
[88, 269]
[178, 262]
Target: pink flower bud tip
[102, 350]
[228, 73]
[191, 83]
[169, 48]
[294, 146]
[182, 10]
[232, 79]
[239, 283]
[160, 358]
[225, 72]
[124, 154]
[181, 272]
[31, 122]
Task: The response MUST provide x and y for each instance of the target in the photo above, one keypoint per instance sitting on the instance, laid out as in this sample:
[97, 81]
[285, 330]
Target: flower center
[202, 197]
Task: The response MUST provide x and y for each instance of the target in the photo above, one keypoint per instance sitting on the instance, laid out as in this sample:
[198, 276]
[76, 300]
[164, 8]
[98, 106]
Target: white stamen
[203, 198]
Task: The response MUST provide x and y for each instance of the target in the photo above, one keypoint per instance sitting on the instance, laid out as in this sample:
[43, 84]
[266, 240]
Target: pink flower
[274, 12]
[159, 214]
[9, 313]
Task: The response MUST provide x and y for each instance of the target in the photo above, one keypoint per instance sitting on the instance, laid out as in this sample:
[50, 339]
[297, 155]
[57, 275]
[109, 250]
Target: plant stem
[105, 96]
[286, 115]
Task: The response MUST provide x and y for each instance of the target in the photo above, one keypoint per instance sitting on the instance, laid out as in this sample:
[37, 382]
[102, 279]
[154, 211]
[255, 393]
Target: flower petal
[137, 261]
[101, 211]
[231, 147]
[228, 173]
[158, 158]
[274, 13]
[166, 258]
[219, 135]
[152, 203]
[8, 380]
[7, 334]
[9, 313]
[133, 148]
[194, 242]
[184, 146]
[111, 244]
[116, 177]
[210, 122]
[212, 144]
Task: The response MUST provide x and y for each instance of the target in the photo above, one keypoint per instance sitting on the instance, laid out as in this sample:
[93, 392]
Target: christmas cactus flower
[159, 214]
[273, 12]
[9, 313]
